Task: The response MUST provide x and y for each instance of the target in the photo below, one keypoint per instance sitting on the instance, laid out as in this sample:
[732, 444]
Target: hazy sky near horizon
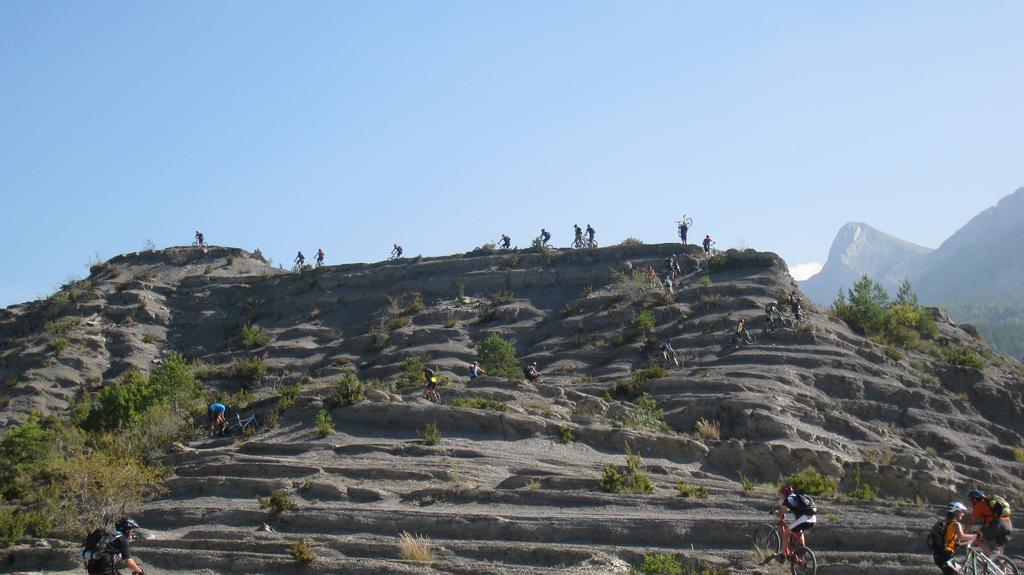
[440, 125]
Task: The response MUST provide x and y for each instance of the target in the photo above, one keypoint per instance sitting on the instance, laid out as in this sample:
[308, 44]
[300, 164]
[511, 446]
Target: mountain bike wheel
[766, 537]
[1005, 565]
[802, 562]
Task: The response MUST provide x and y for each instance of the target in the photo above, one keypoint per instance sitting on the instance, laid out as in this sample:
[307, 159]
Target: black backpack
[97, 544]
[936, 535]
[805, 505]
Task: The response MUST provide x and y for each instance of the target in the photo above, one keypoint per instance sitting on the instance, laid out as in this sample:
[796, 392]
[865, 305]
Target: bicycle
[777, 322]
[394, 255]
[240, 425]
[200, 245]
[579, 244]
[997, 564]
[319, 264]
[743, 337]
[768, 537]
[432, 395]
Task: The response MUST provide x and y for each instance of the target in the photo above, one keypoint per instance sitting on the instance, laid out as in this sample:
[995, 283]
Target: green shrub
[812, 482]
[278, 502]
[399, 322]
[861, 490]
[644, 321]
[498, 357]
[631, 242]
[961, 356]
[323, 423]
[568, 437]
[659, 564]
[288, 394]
[253, 336]
[271, 420]
[148, 339]
[302, 552]
[893, 353]
[249, 371]
[60, 344]
[611, 479]
[639, 483]
[416, 305]
[479, 403]
[63, 327]
[504, 298]
[411, 371]
[745, 483]
[430, 434]
[208, 269]
[648, 373]
[647, 414]
[450, 321]
[691, 491]
[121, 403]
[866, 308]
[570, 308]
[347, 391]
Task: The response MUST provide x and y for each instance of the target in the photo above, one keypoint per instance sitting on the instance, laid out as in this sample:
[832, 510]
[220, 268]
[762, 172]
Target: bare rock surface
[516, 491]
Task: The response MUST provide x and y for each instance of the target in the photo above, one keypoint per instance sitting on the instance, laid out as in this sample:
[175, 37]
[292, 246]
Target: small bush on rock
[347, 391]
[479, 403]
[812, 482]
[302, 552]
[611, 479]
[691, 491]
[659, 564]
[498, 357]
[709, 430]
[323, 423]
[961, 356]
[430, 434]
[415, 548]
[253, 336]
[249, 371]
[412, 371]
[278, 502]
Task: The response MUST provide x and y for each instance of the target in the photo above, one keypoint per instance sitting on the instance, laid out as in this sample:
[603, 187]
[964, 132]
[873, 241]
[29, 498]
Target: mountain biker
[430, 384]
[215, 416]
[803, 519]
[952, 535]
[397, 251]
[476, 371]
[590, 233]
[708, 242]
[300, 259]
[579, 234]
[505, 242]
[741, 334]
[995, 523]
[320, 257]
[545, 236]
[105, 561]
[669, 286]
[796, 305]
[199, 238]
[683, 228]
[668, 354]
[530, 372]
[771, 314]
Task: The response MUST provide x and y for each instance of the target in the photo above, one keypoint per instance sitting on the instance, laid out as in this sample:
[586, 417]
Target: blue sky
[440, 125]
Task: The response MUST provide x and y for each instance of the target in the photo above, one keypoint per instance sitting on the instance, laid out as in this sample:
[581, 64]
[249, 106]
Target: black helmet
[126, 525]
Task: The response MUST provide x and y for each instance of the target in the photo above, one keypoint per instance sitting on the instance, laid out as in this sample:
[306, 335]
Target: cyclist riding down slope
[115, 549]
[804, 517]
[952, 535]
[668, 355]
[430, 385]
[994, 513]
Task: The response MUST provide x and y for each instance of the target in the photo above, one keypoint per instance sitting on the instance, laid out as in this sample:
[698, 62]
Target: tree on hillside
[498, 357]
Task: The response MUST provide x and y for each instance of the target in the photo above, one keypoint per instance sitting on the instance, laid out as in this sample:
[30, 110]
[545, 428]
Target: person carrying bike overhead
[994, 513]
[683, 228]
[505, 242]
[804, 517]
[215, 417]
[396, 252]
[115, 549]
[320, 257]
[952, 535]
[590, 234]
[299, 260]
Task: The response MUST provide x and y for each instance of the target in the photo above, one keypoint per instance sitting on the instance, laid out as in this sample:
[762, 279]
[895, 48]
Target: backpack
[805, 505]
[999, 505]
[936, 535]
[98, 542]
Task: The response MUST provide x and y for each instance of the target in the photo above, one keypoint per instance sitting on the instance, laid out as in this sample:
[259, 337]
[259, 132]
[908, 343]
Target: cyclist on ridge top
[300, 259]
[505, 242]
[579, 233]
[545, 236]
[320, 257]
[590, 233]
[397, 251]
[708, 242]
[199, 238]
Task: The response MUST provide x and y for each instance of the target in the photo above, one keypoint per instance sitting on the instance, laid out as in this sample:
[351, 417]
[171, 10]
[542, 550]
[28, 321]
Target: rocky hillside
[512, 487]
